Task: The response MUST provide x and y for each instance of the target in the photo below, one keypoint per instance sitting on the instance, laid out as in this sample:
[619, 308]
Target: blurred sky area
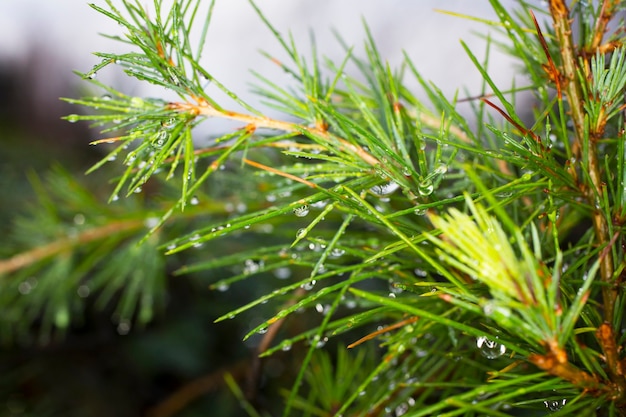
[47, 40]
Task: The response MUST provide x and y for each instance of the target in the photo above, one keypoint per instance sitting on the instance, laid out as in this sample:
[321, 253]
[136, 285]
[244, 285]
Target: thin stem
[205, 109]
[561, 20]
[607, 10]
[563, 30]
[32, 256]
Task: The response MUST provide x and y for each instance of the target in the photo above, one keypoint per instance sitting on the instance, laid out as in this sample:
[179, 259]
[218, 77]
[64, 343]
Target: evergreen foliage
[472, 267]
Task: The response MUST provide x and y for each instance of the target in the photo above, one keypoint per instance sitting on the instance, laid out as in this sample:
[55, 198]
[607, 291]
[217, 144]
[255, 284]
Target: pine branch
[60, 246]
[452, 261]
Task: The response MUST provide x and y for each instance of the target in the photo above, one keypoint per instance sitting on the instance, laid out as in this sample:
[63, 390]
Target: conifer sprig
[457, 261]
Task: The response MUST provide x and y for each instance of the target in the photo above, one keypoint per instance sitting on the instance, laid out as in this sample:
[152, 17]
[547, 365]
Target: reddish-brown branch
[551, 69]
[555, 362]
[281, 173]
[561, 20]
[205, 109]
[522, 129]
[606, 338]
[606, 13]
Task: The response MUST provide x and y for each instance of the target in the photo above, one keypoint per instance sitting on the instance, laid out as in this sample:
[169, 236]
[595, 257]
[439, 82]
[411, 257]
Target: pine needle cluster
[457, 266]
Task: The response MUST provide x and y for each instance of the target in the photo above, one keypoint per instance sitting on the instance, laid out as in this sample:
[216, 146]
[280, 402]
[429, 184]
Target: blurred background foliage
[96, 367]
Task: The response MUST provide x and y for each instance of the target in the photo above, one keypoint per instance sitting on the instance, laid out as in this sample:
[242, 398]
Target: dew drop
[160, 139]
[79, 219]
[336, 253]
[169, 123]
[72, 118]
[319, 342]
[315, 247]
[301, 211]
[123, 327]
[490, 349]
[394, 289]
[262, 330]
[419, 211]
[382, 190]
[420, 272]
[27, 286]
[223, 287]
[251, 267]
[194, 201]
[496, 311]
[136, 102]
[151, 222]
[401, 409]
[301, 233]
[441, 169]
[308, 286]
[286, 346]
[555, 405]
[282, 272]
[425, 187]
[83, 291]
[322, 309]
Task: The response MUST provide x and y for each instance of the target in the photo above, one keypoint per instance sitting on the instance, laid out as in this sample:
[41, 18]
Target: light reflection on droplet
[555, 405]
[301, 211]
[490, 349]
[83, 291]
[382, 190]
[425, 187]
[309, 285]
[123, 327]
[282, 272]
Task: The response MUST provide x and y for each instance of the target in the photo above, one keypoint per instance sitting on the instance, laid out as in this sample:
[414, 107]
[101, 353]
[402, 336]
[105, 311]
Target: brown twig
[202, 108]
[178, 400]
[561, 21]
[555, 362]
[522, 129]
[551, 69]
[606, 13]
[66, 244]
[281, 173]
